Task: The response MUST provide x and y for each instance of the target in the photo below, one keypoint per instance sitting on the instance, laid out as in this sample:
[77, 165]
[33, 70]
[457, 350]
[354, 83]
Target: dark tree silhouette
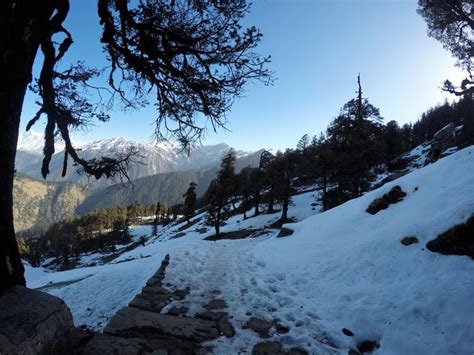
[220, 192]
[193, 56]
[189, 201]
[452, 23]
[356, 141]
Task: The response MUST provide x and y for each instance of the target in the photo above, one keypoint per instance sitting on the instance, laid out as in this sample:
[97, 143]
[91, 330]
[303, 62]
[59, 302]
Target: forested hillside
[37, 203]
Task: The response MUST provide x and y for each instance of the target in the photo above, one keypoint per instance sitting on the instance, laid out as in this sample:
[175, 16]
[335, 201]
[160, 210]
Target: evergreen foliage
[189, 201]
[220, 192]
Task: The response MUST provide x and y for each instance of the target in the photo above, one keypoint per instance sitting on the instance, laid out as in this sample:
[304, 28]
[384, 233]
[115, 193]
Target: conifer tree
[393, 141]
[189, 201]
[284, 168]
[356, 141]
[246, 188]
[220, 192]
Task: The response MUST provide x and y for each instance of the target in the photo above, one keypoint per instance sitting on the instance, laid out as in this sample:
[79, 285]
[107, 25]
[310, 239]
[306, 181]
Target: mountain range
[162, 175]
[154, 158]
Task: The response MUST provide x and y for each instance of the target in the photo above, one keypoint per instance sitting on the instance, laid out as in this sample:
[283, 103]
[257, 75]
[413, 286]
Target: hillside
[37, 203]
[165, 188]
[341, 269]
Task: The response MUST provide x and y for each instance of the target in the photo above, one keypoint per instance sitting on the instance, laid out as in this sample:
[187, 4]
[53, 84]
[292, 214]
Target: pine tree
[393, 141]
[356, 141]
[246, 188]
[220, 192]
[189, 201]
[284, 168]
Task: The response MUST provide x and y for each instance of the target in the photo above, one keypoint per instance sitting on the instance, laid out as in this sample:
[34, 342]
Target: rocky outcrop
[444, 139]
[458, 240]
[33, 322]
[393, 196]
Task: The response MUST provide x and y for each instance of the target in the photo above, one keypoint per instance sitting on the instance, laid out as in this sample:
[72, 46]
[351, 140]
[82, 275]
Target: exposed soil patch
[191, 223]
[409, 240]
[278, 224]
[459, 240]
[239, 234]
[393, 196]
[285, 232]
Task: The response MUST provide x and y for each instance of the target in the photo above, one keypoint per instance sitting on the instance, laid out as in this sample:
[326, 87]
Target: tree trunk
[21, 26]
[218, 222]
[271, 201]
[286, 199]
[257, 203]
[284, 210]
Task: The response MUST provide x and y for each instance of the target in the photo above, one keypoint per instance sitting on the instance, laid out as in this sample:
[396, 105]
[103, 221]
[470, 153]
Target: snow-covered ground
[343, 268]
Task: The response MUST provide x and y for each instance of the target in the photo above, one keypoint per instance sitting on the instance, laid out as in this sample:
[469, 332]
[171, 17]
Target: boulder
[34, 322]
[445, 138]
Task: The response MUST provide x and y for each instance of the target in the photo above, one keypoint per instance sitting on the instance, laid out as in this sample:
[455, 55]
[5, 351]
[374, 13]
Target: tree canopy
[452, 23]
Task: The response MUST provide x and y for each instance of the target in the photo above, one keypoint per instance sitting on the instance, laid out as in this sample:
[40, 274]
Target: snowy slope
[343, 268]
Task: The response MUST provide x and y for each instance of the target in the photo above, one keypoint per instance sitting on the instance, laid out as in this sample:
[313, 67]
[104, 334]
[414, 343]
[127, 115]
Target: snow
[343, 268]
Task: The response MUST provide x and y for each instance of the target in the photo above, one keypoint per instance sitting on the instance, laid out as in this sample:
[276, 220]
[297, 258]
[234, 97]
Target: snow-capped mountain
[33, 142]
[155, 157]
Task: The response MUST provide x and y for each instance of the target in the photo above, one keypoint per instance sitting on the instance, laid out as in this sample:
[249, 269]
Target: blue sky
[318, 48]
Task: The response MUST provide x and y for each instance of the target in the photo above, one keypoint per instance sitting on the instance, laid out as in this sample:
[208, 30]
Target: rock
[367, 346]
[33, 322]
[105, 344]
[215, 304]
[445, 138]
[347, 332]
[214, 316]
[226, 328]
[353, 352]
[297, 351]
[259, 326]
[268, 348]
[132, 322]
[285, 232]
[222, 319]
[150, 301]
[281, 329]
[177, 311]
[459, 240]
[393, 196]
[409, 240]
